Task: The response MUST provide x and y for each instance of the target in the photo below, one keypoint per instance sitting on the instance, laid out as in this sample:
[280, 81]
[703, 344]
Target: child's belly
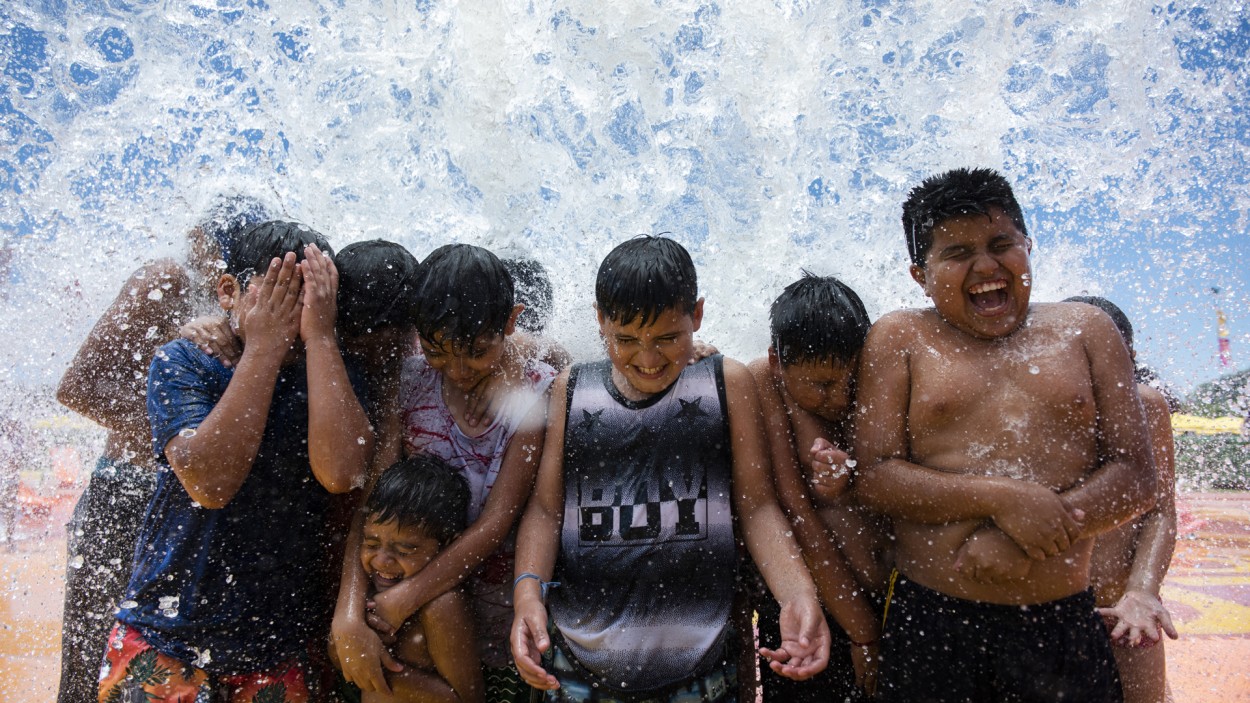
[926, 554]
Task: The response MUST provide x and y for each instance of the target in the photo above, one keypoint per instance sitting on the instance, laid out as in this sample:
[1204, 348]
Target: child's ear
[917, 275]
[511, 326]
[227, 288]
[599, 316]
[697, 314]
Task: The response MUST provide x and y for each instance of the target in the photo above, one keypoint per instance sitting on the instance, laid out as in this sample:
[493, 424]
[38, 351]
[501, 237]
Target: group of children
[913, 508]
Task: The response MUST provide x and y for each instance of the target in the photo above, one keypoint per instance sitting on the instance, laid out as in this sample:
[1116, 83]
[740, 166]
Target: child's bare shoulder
[736, 373]
[898, 329]
[1079, 321]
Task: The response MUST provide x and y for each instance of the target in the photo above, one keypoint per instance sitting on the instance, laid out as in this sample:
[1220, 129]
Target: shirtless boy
[1001, 437]
[1129, 562]
[806, 386]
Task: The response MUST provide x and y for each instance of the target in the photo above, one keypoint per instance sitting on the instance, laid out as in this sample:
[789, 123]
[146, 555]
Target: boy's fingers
[389, 662]
[1165, 621]
[268, 282]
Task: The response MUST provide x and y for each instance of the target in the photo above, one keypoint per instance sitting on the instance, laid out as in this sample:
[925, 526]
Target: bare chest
[1002, 407]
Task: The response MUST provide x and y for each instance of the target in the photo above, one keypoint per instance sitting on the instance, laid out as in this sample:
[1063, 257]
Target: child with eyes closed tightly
[1002, 437]
[417, 507]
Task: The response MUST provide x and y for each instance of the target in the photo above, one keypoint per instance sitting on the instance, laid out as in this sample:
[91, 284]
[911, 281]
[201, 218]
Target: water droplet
[76, 562]
[360, 440]
[202, 658]
[156, 294]
[188, 433]
[1034, 370]
[127, 605]
[850, 463]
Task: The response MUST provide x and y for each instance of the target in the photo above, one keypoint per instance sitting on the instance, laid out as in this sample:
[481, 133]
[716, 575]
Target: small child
[1001, 437]
[416, 508]
[649, 461]
[1129, 562]
[806, 388]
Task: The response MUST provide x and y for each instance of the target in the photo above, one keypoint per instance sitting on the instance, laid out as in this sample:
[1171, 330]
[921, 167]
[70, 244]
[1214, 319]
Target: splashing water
[767, 136]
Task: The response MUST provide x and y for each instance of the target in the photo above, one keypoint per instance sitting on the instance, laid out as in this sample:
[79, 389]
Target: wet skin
[648, 358]
[984, 412]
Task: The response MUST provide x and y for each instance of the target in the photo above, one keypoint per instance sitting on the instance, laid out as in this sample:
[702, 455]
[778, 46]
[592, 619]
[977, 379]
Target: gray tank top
[647, 555]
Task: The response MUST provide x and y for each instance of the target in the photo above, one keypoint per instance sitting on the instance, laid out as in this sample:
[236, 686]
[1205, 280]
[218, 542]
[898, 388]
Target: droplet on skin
[1034, 370]
[188, 433]
[156, 294]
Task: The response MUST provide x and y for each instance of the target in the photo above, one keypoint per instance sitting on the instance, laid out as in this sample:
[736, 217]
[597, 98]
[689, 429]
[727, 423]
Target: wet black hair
[1113, 311]
[229, 218]
[533, 290]
[818, 318]
[643, 277]
[377, 286]
[273, 239]
[463, 292]
[952, 194]
[424, 492]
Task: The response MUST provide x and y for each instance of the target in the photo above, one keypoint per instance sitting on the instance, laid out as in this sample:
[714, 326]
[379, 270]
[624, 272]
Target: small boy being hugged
[416, 508]
[806, 387]
[1001, 437]
[649, 459]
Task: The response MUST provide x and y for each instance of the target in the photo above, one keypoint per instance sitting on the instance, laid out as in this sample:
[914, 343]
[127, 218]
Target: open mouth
[649, 373]
[989, 298]
[384, 581]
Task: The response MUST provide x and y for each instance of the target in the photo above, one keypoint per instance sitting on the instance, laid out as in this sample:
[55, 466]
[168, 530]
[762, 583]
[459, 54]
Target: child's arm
[467, 552]
[449, 637]
[214, 461]
[105, 381]
[838, 590]
[804, 650]
[340, 440]
[1124, 484]
[538, 545]
[1139, 615]
[1035, 517]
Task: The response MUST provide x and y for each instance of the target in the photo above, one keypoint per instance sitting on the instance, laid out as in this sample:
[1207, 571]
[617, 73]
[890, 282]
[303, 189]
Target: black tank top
[647, 549]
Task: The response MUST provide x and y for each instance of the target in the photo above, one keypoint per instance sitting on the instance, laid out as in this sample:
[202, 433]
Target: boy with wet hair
[415, 510]
[106, 382]
[1130, 562]
[1001, 437]
[806, 386]
[649, 461]
[533, 290]
[465, 319]
[228, 587]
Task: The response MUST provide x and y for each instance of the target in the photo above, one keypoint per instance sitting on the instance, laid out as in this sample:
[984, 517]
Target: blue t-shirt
[246, 587]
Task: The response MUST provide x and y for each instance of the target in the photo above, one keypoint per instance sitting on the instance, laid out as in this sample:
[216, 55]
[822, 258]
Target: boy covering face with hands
[229, 583]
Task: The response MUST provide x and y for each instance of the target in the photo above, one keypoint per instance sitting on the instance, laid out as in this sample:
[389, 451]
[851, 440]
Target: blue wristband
[543, 586]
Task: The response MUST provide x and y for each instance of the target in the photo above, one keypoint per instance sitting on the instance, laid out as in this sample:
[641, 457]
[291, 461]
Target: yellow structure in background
[1207, 425]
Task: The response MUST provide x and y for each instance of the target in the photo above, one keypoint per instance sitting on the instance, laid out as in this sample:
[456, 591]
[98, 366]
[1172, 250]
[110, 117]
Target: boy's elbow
[344, 481]
[212, 498]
